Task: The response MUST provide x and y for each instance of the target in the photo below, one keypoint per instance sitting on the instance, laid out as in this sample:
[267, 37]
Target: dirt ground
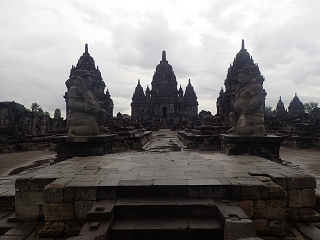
[13, 161]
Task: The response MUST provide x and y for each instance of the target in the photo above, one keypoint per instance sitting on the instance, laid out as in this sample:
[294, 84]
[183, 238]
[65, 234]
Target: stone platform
[267, 146]
[79, 146]
[62, 194]
[268, 192]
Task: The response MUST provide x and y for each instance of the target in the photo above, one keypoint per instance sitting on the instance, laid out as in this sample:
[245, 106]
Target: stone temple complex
[226, 98]
[163, 105]
[86, 62]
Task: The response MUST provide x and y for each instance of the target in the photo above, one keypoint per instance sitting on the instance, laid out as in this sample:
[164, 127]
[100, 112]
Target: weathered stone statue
[247, 117]
[85, 116]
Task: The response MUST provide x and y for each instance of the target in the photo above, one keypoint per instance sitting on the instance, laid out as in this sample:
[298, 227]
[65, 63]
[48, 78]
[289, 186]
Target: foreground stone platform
[63, 193]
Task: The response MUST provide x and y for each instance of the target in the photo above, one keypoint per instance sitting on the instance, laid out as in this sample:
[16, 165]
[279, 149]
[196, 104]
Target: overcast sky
[41, 40]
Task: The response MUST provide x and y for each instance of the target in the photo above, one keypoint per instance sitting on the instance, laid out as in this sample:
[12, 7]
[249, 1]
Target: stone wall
[271, 201]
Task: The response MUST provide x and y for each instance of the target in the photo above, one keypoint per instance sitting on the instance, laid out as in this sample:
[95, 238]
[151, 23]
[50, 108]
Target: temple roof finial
[295, 94]
[164, 56]
[86, 48]
[138, 81]
[280, 99]
[242, 45]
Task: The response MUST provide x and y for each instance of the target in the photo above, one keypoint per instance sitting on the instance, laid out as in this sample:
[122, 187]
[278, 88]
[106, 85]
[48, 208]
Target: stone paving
[243, 178]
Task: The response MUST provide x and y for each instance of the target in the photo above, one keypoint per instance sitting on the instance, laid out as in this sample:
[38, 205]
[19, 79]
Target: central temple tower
[164, 105]
[164, 93]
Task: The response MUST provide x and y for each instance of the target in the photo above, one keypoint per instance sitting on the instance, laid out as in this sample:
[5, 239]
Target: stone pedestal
[81, 146]
[267, 147]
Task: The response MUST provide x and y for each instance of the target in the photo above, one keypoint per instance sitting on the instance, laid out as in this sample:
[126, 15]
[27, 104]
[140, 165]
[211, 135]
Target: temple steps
[160, 218]
[166, 228]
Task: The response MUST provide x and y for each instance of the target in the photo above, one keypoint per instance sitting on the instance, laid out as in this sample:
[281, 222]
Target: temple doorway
[164, 111]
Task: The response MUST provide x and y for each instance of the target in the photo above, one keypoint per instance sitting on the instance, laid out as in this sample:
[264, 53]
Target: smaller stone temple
[280, 109]
[86, 62]
[163, 105]
[296, 106]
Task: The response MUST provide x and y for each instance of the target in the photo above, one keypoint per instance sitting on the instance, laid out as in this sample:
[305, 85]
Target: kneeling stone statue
[85, 116]
[248, 115]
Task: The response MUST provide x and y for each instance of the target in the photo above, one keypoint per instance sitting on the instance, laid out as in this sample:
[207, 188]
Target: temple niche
[86, 62]
[226, 98]
[163, 105]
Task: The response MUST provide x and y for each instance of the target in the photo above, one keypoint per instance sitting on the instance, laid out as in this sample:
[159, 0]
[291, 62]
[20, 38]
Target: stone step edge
[164, 201]
[167, 223]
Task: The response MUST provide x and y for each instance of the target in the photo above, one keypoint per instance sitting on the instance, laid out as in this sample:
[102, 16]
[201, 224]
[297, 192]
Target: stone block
[81, 208]
[86, 194]
[301, 182]
[277, 227]
[22, 184]
[52, 229]
[295, 198]
[38, 184]
[69, 194]
[243, 228]
[101, 211]
[53, 193]
[308, 197]
[99, 230]
[277, 192]
[308, 214]
[57, 212]
[250, 192]
[292, 214]
[73, 228]
[262, 227]
[270, 209]
[27, 211]
[29, 198]
[247, 206]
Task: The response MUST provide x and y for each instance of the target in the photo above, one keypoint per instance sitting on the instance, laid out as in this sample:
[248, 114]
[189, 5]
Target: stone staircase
[160, 218]
[165, 218]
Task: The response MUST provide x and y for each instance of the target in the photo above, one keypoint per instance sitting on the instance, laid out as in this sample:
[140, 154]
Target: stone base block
[267, 147]
[84, 146]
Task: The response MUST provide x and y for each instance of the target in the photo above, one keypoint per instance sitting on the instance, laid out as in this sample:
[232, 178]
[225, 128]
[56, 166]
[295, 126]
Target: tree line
[35, 107]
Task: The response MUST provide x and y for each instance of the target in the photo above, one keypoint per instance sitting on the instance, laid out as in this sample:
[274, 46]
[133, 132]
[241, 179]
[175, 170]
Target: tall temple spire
[242, 45]
[86, 48]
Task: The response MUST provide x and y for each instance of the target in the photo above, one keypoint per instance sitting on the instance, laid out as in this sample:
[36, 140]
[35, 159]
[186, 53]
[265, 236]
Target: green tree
[21, 108]
[4, 113]
[35, 107]
[268, 111]
[308, 107]
[47, 114]
[57, 114]
[40, 111]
